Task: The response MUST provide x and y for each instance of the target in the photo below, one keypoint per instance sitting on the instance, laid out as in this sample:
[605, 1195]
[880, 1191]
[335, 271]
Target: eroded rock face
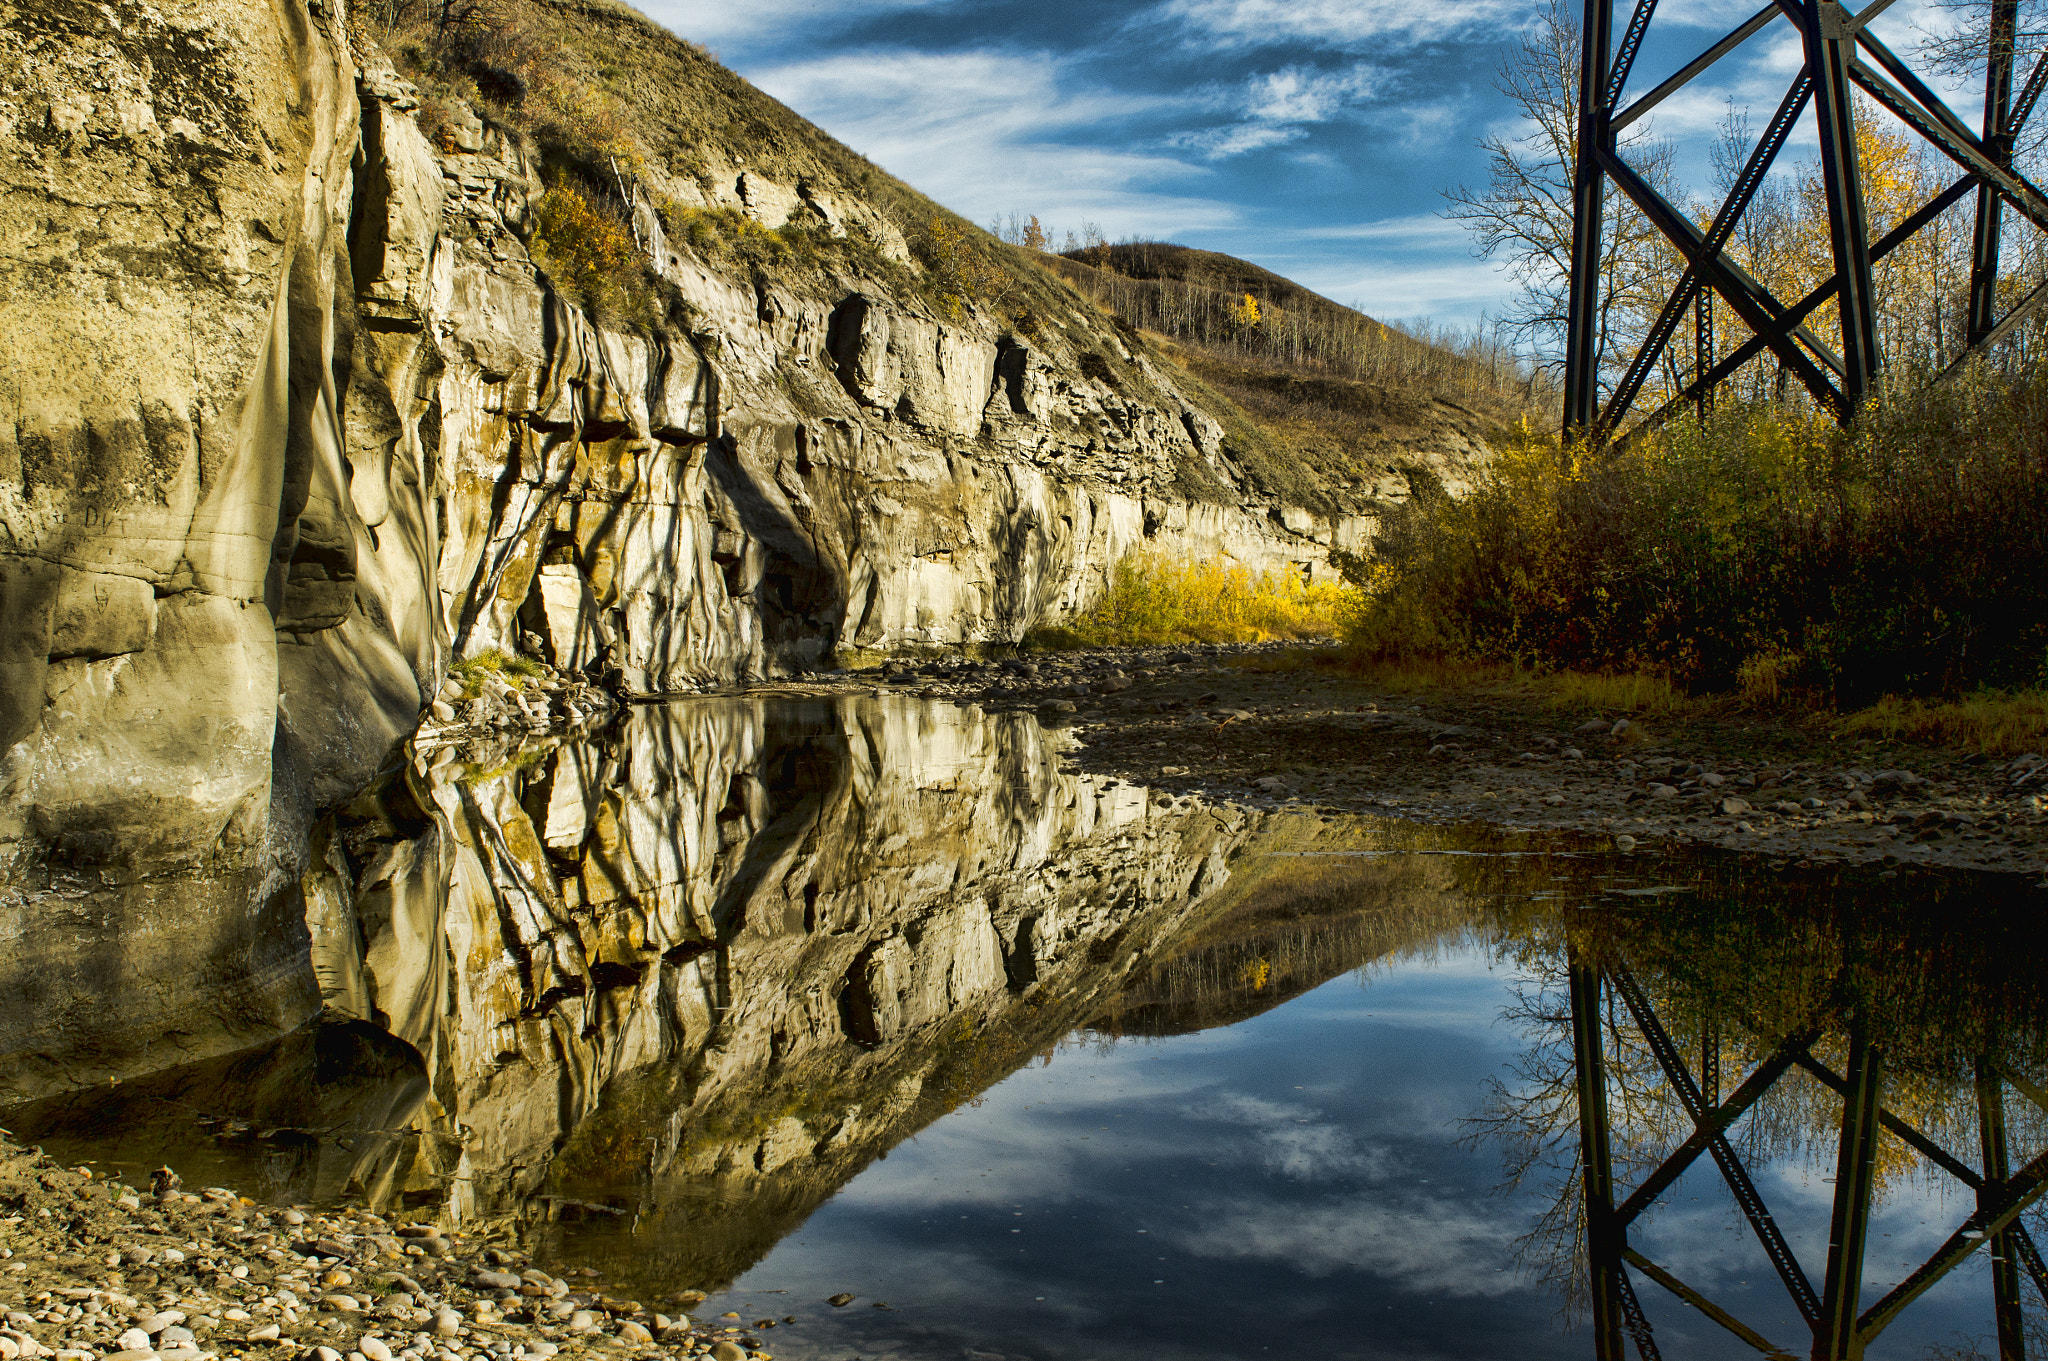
[290, 421]
[173, 318]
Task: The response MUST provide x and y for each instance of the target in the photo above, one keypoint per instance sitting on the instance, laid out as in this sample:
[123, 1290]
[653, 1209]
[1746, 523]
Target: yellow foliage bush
[591, 256]
[1156, 599]
[955, 269]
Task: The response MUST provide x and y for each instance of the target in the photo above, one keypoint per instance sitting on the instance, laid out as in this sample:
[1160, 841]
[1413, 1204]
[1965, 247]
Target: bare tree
[1523, 216]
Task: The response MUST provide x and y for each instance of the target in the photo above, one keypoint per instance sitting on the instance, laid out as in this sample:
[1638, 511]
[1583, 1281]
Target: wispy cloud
[988, 131]
[1462, 1252]
[1278, 106]
[1292, 1140]
[1418, 230]
[1398, 288]
[716, 22]
[1343, 25]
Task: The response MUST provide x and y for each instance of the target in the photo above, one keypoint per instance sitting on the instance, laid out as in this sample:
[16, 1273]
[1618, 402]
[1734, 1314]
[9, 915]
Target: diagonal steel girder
[1744, 1190]
[1806, 306]
[1716, 1122]
[1750, 299]
[1831, 34]
[1997, 1208]
[1747, 183]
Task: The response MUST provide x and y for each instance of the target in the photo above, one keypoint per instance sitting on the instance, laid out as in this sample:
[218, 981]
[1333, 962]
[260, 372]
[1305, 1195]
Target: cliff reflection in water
[724, 939]
[661, 992]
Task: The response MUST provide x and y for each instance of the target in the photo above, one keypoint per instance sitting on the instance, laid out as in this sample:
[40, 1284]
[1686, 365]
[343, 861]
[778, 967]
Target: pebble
[728, 1351]
[257, 1310]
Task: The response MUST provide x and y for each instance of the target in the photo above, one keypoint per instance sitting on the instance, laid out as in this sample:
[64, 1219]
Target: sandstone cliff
[293, 414]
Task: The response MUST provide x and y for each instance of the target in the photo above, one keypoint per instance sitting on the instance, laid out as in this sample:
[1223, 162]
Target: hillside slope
[1340, 412]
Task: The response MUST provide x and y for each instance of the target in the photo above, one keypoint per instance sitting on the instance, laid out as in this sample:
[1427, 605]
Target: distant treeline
[1236, 309]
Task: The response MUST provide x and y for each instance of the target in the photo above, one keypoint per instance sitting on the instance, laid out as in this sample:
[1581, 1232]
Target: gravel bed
[93, 1270]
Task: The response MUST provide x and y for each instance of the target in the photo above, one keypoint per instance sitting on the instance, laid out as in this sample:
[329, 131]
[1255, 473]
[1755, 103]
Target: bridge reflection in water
[1908, 1034]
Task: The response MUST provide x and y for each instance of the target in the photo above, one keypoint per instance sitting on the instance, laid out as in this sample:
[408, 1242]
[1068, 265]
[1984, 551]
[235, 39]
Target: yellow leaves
[1246, 313]
[1156, 599]
[956, 269]
[588, 254]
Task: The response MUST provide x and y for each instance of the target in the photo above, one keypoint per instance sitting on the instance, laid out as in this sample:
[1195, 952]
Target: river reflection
[871, 996]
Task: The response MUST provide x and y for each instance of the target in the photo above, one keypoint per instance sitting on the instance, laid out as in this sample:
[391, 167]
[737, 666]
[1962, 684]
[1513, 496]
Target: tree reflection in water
[1771, 997]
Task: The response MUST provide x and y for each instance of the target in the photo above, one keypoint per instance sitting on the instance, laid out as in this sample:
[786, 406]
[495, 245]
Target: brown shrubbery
[1762, 548]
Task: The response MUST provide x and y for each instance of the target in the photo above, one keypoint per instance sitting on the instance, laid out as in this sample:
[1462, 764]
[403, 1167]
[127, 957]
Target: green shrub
[1908, 554]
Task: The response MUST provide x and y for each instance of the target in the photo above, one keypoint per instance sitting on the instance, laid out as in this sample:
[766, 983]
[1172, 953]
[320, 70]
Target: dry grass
[1153, 599]
[1991, 722]
[1623, 694]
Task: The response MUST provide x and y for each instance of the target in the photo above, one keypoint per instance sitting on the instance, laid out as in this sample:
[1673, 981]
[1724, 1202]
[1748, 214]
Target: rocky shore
[95, 1270]
[1220, 722]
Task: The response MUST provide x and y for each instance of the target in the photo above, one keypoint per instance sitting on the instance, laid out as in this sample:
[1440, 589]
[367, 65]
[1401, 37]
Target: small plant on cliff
[470, 671]
[956, 271]
[591, 256]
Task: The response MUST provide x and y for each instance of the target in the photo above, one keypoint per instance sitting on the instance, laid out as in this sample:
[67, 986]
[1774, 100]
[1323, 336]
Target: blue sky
[1315, 137]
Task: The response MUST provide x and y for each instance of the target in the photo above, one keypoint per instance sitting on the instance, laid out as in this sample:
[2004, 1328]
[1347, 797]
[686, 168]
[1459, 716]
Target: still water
[783, 1000]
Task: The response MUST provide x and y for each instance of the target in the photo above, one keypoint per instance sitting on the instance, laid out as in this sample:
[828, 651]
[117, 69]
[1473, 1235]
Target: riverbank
[1219, 721]
[96, 1270]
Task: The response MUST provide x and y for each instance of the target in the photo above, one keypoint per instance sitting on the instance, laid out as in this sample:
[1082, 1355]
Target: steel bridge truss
[1841, 1328]
[1841, 55]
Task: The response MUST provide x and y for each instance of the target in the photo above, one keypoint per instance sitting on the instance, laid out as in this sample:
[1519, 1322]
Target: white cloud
[1290, 1140]
[1296, 94]
[1421, 229]
[1276, 105]
[726, 21]
[1342, 24]
[1220, 143]
[990, 131]
[1442, 1246]
[1455, 291]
